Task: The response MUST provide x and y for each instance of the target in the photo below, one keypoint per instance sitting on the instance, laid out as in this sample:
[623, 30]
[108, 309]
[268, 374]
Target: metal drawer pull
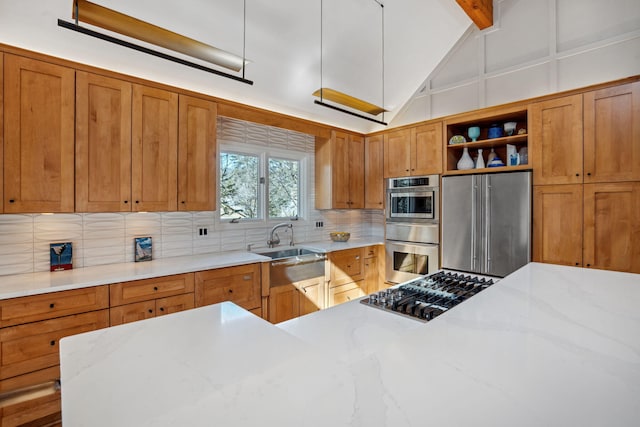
[53, 342]
[247, 277]
[29, 393]
[51, 305]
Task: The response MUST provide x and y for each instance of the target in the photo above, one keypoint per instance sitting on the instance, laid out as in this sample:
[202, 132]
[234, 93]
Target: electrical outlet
[203, 231]
[319, 224]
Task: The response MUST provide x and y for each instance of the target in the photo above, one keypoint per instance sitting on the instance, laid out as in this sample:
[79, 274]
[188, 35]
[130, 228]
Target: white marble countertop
[20, 285]
[548, 345]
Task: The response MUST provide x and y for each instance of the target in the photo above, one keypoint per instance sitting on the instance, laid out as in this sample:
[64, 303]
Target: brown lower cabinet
[240, 285]
[590, 225]
[297, 299]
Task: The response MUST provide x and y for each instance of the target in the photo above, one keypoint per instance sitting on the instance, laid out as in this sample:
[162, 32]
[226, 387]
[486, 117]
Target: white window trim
[264, 153]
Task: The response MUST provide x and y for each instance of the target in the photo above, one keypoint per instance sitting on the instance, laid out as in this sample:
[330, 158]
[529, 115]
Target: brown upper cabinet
[103, 144]
[612, 134]
[154, 149]
[414, 151]
[1, 133]
[340, 171]
[196, 154]
[373, 171]
[594, 137]
[38, 136]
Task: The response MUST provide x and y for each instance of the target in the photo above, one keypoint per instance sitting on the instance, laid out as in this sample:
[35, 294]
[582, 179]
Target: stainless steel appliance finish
[408, 260]
[296, 268]
[486, 222]
[428, 297]
[413, 198]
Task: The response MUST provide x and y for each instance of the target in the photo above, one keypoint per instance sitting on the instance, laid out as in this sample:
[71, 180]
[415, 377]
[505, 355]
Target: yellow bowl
[340, 236]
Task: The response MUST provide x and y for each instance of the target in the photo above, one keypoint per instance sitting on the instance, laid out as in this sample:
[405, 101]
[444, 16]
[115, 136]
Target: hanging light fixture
[345, 99]
[111, 20]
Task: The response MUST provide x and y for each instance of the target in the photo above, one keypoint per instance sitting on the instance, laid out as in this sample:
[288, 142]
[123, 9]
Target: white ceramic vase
[465, 162]
[480, 161]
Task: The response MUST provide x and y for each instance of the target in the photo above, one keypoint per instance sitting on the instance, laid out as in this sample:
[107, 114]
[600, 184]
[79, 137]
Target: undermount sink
[287, 253]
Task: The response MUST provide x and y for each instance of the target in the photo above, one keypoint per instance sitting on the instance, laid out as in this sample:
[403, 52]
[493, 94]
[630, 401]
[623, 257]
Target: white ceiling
[282, 43]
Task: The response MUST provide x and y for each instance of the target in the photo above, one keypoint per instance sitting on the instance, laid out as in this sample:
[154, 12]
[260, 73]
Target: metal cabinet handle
[247, 277]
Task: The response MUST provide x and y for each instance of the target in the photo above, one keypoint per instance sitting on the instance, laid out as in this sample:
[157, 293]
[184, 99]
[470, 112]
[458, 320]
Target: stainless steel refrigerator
[486, 222]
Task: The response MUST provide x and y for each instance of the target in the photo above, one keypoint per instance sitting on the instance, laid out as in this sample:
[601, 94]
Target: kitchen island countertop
[548, 345]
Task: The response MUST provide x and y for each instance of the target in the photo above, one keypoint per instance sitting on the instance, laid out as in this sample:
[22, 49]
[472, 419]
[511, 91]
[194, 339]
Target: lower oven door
[406, 261]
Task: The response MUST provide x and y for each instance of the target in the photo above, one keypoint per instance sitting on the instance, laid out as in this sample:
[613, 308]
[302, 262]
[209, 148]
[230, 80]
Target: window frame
[264, 153]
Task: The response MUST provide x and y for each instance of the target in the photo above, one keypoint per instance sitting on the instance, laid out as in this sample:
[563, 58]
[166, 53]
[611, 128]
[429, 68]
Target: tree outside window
[242, 189]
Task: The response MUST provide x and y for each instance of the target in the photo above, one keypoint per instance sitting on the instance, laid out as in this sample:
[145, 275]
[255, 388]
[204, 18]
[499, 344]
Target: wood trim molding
[480, 11]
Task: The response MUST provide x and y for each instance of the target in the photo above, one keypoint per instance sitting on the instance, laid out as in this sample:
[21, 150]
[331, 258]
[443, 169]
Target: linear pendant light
[345, 99]
[129, 26]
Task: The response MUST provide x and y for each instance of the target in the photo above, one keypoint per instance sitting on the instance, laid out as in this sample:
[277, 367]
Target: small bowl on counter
[339, 236]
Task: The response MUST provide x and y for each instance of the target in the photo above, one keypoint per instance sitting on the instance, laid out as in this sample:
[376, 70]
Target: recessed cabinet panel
[397, 153]
[1, 133]
[240, 285]
[373, 172]
[612, 226]
[196, 155]
[154, 149]
[612, 134]
[38, 136]
[103, 144]
[556, 140]
[557, 224]
[426, 147]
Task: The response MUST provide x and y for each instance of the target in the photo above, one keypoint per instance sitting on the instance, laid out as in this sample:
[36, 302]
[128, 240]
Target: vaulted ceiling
[282, 39]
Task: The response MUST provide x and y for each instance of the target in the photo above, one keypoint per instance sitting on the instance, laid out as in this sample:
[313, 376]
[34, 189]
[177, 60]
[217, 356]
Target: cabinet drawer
[34, 346]
[371, 251]
[174, 304]
[346, 266]
[346, 292]
[40, 411]
[132, 312]
[16, 311]
[240, 285]
[146, 289]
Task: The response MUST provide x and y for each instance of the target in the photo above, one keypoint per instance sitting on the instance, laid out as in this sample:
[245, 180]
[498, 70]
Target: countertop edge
[29, 284]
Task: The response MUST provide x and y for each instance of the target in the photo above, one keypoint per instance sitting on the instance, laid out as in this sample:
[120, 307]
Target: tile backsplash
[107, 238]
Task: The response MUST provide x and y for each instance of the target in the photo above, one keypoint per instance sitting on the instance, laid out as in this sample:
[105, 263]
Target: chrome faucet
[274, 239]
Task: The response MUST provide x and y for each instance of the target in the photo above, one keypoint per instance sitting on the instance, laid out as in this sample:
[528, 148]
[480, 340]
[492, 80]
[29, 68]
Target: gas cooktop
[429, 296]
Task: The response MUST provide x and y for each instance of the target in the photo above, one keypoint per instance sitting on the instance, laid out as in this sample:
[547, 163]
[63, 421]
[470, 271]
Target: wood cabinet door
[196, 154]
[426, 149]
[154, 149]
[132, 312]
[555, 141]
[33, 346]
[346, 266]
[1, 134]
[557, 224]
[612, 226]
[340, 164]
[371, 275]
[38, 136]
[311, 295]
[612, 134]
[240, 285]
[284, 303]
[397, 153]
[103, 144]
[356, 172]
[374, 172]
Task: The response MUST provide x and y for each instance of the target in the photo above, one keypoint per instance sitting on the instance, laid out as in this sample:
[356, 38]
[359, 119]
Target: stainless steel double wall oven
[412, 227]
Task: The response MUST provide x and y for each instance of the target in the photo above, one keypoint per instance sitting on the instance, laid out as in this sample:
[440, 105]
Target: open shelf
[460, 125]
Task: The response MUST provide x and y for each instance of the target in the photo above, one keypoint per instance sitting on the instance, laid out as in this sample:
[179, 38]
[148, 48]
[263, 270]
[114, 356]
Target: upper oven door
[405, 204]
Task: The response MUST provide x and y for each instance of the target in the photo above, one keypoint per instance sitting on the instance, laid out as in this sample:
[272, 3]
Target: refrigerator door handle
[487, 225]
[474, 197]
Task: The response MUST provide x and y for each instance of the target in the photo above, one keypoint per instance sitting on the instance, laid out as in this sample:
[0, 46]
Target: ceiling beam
[480, 11]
